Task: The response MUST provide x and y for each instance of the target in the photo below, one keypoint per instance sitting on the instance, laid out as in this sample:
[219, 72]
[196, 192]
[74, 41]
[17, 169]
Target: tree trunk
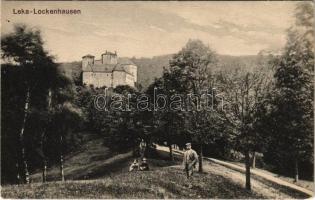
[44, 175]
[26, 109]
[254, 160]
[44, 161]
[18, 177]
[44, 170]
[296, 170]
[200, 160]
[171, 151]
[27, 174]
[61, 168]
[169, 141]
[247, 165]
[61, 161]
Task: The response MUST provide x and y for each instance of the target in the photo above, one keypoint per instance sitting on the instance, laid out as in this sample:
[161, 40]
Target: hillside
[96, 172]
[72, 70]
[151, 68]
[163, 183]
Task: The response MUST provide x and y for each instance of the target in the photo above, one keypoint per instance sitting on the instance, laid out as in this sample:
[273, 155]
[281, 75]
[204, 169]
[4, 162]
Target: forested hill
[151, 68]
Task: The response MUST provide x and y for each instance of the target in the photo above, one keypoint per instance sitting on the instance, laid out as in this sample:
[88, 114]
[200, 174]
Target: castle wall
[127, 76]
[119, 78]
[130, 80]
[132, 69]
[98, 62]
[86, 62]
[87, 78]
[98, 79]
[109, 59]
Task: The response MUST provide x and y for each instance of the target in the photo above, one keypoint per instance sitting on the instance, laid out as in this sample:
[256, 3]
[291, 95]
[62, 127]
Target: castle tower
[87, 61]
[109, 58]
[132, 69]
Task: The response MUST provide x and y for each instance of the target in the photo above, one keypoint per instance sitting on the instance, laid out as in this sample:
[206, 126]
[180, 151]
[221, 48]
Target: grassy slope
[92, 161]
[164, 182]
[96, 172]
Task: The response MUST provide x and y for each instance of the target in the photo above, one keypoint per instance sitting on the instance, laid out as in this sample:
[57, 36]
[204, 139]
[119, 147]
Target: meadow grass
[166, 182]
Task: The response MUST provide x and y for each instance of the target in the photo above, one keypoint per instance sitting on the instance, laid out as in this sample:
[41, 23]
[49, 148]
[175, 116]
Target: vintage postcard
[156, 100]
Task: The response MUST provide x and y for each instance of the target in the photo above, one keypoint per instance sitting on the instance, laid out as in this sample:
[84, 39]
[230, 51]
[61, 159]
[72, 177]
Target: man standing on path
[190, 160]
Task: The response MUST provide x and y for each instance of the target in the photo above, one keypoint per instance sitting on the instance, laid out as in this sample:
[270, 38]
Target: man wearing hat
[190, 160]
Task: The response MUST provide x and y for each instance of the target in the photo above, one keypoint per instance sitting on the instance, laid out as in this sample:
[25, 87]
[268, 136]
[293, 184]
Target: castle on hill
[109, 71]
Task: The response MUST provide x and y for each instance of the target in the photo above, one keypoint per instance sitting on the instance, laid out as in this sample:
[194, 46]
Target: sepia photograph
[157, 99]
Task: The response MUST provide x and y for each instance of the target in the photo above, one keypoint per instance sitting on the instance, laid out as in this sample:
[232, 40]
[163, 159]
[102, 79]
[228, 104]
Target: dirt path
[258, 186]
[262, 183]
[263, 175]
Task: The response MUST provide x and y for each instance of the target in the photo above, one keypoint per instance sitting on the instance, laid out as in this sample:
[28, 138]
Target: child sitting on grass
[144, 166]
[134, 166]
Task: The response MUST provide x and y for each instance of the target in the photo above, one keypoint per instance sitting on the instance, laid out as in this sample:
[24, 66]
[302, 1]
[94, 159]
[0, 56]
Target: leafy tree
[24, 49]
[12, 103]
[291, 114]
[243, 92]
[167, 122]
[42, 89]
[118, 122]
[127, 128]
[190, 71]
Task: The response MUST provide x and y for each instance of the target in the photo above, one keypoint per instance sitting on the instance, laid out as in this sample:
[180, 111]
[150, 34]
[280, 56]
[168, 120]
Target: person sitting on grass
[134, 166]
[144, 166]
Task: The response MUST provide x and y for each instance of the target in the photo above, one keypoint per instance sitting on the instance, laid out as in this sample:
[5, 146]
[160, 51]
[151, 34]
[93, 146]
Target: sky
[146, 29]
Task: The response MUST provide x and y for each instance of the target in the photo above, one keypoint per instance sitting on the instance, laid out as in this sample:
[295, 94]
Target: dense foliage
[35, 97]
[260, 103]
[290, 118]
